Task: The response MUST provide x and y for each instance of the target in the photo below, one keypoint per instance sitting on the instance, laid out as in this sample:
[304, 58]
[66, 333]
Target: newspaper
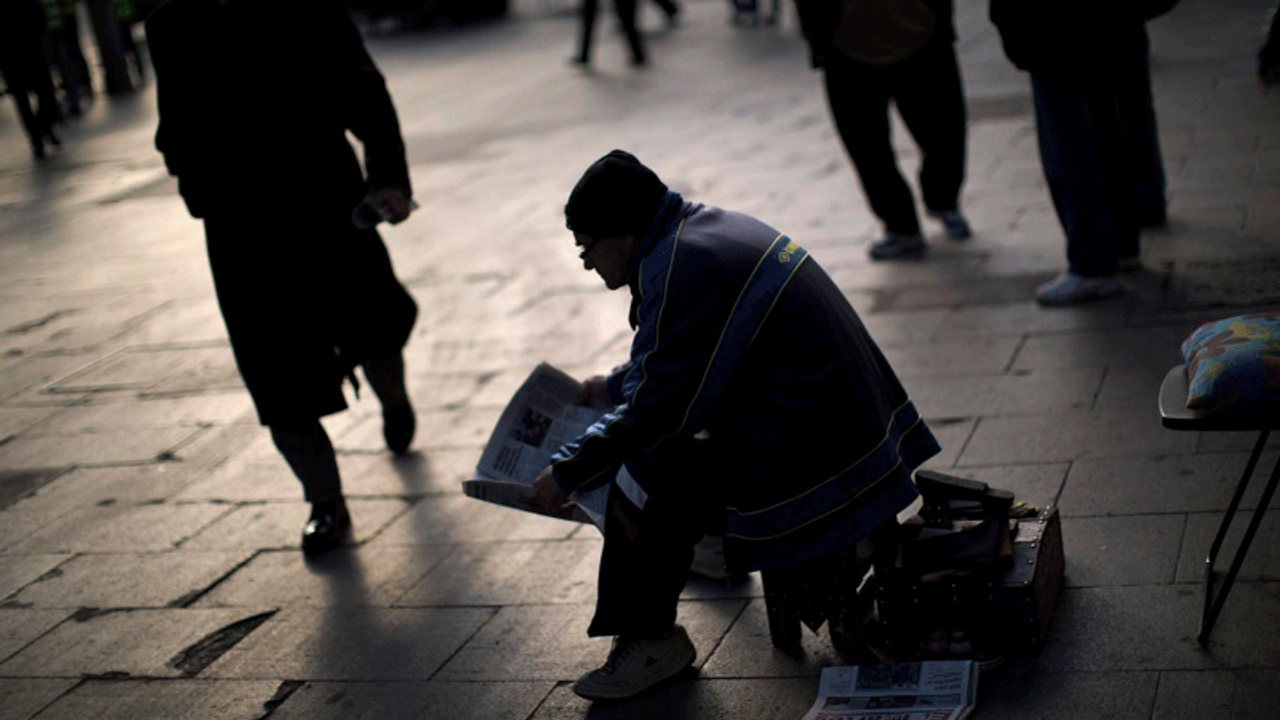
[542, 416]
[929, 690]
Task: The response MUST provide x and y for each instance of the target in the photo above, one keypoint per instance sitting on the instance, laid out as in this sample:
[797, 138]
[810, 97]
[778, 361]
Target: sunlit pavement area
[149, 565]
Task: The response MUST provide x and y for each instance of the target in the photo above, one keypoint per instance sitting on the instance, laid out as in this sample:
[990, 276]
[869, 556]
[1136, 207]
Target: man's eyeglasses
[586, 249]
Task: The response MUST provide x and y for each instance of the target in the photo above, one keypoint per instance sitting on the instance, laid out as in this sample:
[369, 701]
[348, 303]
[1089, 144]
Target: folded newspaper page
[929, 690]
[542, 416]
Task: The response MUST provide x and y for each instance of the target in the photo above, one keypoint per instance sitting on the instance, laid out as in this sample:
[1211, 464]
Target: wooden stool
[1175, 416]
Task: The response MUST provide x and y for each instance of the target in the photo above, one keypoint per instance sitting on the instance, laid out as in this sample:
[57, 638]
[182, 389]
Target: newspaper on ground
[542, 416]
[928, 690]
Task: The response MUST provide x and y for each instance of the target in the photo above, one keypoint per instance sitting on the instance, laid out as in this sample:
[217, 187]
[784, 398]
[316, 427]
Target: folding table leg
[1213, 604]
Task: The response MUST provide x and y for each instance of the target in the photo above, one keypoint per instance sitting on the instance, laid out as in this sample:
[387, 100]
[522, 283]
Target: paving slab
[112, 447]
[16, 571]
[1020, 393]
[1262, 562]
[414, 700]
[549, 642]
[14, 420]
[414, 474]
[133, 580]
[119, 528]
[1072, 436]
[279, 525]
[457, 518]
[517, 573]
[747, 651]
[17, 525]
[214, 409]
[1068, 695]
[351, 576]
[703, 699]
[350, 643]
[1153, 627]
[20, 626]
[1129, 550]
[106, 486]
[173, 699]
[119, 643]
[1244, 694]
[986, 356]
[1186, 483]
[22, 699]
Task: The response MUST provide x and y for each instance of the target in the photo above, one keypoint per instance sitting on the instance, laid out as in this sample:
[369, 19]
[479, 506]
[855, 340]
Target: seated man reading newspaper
[754, 405]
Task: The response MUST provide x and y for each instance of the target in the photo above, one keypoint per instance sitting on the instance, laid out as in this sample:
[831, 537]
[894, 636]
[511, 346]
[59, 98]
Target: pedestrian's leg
[1077, 125]
[386, 377]
[627, 16]
[859, 100]
[589, 8]
[671, 9]
[930, 98]
[309, 453]
[22, 99]
[1142, 137]
[1069, 154]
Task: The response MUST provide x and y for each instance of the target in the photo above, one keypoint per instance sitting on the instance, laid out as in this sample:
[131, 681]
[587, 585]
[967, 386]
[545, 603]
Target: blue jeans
[1090, 141]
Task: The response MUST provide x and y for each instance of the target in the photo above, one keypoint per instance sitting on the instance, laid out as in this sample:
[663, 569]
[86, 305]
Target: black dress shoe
[398, 426]
[327, 528]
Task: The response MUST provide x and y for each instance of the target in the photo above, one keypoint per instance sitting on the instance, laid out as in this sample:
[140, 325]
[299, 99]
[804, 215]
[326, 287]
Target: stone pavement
[148, 531]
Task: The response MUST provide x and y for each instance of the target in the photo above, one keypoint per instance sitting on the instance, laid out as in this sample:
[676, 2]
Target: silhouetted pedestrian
[255, 100]
[626, 10]
[25, 67]
[1095, 123]
[876, 52]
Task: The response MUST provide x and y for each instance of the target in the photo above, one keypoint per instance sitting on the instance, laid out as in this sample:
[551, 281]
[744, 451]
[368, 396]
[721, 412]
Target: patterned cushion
[1234, 364]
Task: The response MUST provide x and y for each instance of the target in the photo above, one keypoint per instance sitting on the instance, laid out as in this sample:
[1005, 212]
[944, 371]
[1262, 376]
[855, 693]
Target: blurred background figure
[626, 10]
[876, 52]
[26, 70]
[67, 55]
[126, 12]
[1269, 53]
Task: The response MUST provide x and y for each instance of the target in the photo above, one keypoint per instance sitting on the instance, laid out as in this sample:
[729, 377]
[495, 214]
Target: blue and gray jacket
[740, 333]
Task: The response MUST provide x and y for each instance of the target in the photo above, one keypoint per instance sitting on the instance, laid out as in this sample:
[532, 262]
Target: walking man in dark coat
[255, 100]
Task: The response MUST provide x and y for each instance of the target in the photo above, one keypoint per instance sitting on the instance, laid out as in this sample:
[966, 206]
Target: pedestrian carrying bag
[882, 32]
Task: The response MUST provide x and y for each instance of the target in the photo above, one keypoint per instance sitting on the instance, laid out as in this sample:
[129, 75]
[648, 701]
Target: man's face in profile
[608, 256]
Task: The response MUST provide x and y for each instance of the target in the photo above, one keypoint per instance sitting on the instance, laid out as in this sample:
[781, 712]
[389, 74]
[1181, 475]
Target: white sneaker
[636, 664]
[894, 245]
[1072, 289]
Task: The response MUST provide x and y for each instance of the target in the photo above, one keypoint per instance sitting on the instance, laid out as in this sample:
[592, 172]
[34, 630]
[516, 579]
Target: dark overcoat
[256, 98]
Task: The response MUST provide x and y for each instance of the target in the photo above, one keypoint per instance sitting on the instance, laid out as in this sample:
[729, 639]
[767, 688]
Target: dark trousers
[26, 72]
[626, 15]
[1088, 168]
[927, 91]
[1138, 113]
[647, 553]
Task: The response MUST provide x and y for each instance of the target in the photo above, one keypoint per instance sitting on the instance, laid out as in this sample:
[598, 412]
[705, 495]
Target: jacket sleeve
[685, 304]
[370, 112]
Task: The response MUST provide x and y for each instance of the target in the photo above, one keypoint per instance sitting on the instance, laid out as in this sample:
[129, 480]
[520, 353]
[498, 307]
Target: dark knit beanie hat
[616, 196]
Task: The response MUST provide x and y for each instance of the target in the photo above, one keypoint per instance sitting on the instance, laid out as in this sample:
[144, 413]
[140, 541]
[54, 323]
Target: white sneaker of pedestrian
[896, 245]
[636, 664]
[1072, 289]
